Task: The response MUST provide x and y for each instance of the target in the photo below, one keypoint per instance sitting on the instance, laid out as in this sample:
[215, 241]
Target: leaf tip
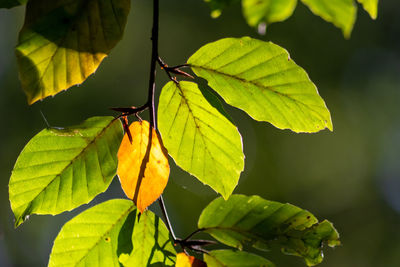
[142, 207]
[19, 220]
[227, 192]
[346, 34]
[31, 99]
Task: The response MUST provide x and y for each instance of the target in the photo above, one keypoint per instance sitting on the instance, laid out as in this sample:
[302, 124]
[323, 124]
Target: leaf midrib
[269, 88]
[198, 127]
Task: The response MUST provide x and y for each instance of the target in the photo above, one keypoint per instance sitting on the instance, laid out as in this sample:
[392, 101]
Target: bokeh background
[350, 176]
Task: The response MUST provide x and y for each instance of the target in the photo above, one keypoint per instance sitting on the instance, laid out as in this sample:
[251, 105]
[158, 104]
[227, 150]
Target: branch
[167, 221]
[154, 57]
[195, 245]
[150, 99]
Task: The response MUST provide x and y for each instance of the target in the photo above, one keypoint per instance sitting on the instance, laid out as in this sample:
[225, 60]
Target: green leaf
[218, 5]
[252, 220]
[268, 11]
[223, 258]
[308, 244]
[199, 136]
[260, 78]
[63, 42]
[371, 6]
[11, 3]
[152, 243]
[342, 13]
[96, 237]
[61, 169]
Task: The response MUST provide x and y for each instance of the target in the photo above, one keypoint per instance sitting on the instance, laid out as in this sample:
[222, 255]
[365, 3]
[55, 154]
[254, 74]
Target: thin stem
[150, 99]
[164, 66]
[165, 213]
[192, 234]
[175, 70]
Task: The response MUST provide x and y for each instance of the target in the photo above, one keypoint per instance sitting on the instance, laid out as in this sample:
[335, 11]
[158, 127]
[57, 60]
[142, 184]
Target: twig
[192, 234]
[175, 70]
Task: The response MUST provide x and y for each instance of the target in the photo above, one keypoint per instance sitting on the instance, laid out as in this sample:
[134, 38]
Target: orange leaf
[183, 260]
[143, 170]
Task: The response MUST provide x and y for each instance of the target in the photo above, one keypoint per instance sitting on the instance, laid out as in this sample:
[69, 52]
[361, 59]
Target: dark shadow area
[92, 27]
[125, 235]
[84, 26]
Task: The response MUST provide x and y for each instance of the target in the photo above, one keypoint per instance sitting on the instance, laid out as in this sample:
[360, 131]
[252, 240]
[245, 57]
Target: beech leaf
[342, 13]
[223, 258]
[95, 237]
[199, 136]
[371, 6]
[63, 168]
[63, 42]
[252, 220]
[268, 11]
[143, 168]
[261, 79]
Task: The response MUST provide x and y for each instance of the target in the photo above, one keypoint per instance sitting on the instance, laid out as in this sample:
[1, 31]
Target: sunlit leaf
[268, 11]
[218, 5]
[201, 139]
[61, 169]
[371, 6]
[183, 260]
[63, 42]
[143, 169]
[223, 258]
[342, 13]
[260, 78]
[152, 244]
[252, 220]
[96, 237]
[11, 3]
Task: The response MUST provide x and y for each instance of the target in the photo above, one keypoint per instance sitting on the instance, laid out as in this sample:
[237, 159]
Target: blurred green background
[350, 176]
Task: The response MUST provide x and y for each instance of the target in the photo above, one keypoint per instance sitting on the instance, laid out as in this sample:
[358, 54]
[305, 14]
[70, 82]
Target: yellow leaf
[143, 170]
[183, 260]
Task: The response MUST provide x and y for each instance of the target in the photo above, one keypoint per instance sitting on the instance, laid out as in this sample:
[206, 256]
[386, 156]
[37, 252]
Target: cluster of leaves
[342, 13]
[61, 44]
